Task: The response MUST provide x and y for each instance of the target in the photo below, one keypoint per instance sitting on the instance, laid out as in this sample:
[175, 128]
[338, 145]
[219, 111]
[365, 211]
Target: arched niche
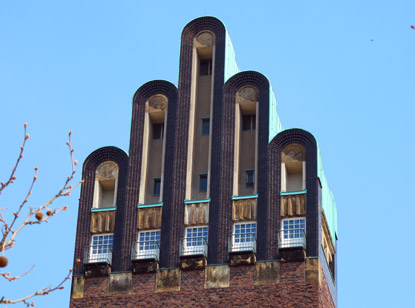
[245, 161]
[293, 168]
[106, 182]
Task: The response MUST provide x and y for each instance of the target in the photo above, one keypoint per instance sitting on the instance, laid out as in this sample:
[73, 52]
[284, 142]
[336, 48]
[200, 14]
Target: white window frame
[147, 248]
[193, 245]
[292, 237]
[97, 257]
[244, 241]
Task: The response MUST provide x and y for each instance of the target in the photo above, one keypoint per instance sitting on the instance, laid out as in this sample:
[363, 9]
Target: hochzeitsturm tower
[216, 204]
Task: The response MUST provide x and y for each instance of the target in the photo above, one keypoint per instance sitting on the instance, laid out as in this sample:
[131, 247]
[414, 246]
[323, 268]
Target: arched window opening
[293, 168]
[245, 162]
[200, 118]
[106, 180]
[151, 186]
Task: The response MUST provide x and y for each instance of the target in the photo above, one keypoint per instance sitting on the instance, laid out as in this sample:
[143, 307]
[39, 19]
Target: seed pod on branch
[39, 216]
[3, 261]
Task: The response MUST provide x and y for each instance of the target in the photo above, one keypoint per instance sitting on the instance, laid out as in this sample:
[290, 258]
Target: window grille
[147, 246]
[293, 233]
[195, 241]
[100, 249]
[243, 237]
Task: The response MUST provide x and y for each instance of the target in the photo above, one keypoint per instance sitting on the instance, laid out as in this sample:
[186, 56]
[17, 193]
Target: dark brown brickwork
[274, 186]
[292, 290]
[83, 233]
[171, 210]
[232, 86]
[219, 195]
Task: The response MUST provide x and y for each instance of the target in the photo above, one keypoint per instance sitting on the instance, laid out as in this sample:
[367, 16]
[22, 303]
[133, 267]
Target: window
[249, 178]
[205, 126]
[156, 186]
[148, 245]
[248, 122]
[293, 232]
[244, 237]
[195, 241]
[205, 67]
[101, 248]
[203, 180]
[158, 131]
[293, 168]
[105, 189]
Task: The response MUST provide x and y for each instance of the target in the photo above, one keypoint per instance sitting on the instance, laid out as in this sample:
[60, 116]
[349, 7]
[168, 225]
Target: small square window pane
[248, 122]
[250, 178]
[158, 131]
[203, 182]
[156, 186]
[205, 126]
[205, 67]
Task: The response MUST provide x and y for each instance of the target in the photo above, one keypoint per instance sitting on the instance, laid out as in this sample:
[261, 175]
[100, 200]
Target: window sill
[287, 193]
[114, 208]
[197, 201]
[141, 206]
[244, 197]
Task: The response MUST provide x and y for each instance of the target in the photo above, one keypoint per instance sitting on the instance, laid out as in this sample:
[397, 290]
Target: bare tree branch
[43, 291]
[12, 177]
[35, 215]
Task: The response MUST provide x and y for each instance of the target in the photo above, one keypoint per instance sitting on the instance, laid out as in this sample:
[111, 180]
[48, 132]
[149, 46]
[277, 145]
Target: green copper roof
[328, 203]
[231, 68]
[275, 127]
[274, 120]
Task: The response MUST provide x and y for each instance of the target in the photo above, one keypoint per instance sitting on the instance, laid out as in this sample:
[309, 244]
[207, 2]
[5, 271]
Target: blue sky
[343, 70]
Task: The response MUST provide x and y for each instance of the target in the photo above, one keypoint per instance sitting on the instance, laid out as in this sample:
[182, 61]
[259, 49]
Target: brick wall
[292, 287]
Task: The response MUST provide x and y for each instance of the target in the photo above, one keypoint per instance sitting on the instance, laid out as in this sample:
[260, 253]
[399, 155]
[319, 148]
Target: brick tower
[216, 204]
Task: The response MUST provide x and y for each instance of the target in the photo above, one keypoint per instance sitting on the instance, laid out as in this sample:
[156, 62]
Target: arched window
[293, 168]
[106, 180]
[245, 162]
[151, 188]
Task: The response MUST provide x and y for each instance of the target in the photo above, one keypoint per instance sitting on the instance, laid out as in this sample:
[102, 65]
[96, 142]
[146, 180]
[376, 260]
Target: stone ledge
[217, 276]
[267, 273]
[244, 258]
[168, 280]
[97, 269]
[120, 283]
[144, 266]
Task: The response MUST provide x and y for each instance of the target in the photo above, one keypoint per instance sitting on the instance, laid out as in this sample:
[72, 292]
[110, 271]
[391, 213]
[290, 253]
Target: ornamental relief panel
[293, 205]
[245, 209]
[196, 214]
[103, 222]
[107, 171]
[293, 152]
[157, 103]
[149, 218]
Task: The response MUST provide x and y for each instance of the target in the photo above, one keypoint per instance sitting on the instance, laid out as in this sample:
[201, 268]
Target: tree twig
[10, 230]
[12, 178]
[43, 291]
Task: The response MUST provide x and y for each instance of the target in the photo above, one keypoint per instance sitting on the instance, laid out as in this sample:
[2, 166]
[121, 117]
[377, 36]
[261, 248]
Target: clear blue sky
[343, 70]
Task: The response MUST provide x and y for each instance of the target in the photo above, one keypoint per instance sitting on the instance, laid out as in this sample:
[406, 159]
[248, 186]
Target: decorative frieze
[293, 205]
[196, 214]
[245, 209]
[149, 218]
[103, 222]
